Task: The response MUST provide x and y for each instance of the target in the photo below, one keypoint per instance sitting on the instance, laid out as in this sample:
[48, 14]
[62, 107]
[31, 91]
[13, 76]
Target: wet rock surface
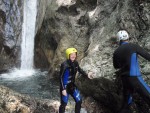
[87, 25]
[10, 30]
[12, 102]
[11, 20]
[90, 27]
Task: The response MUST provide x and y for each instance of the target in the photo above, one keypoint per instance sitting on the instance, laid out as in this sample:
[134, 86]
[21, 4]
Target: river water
[36, 84]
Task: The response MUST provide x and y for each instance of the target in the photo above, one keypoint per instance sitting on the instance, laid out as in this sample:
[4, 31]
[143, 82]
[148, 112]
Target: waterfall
[28, 34]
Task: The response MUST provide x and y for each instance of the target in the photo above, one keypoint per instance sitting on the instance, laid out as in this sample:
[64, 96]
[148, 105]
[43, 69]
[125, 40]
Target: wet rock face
[11, 18]
[89, 26]
[10, 32]
[106, 20]
[61, 30]
[2, 23]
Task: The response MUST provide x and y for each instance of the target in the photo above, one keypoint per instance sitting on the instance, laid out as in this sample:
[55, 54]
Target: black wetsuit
[125, 58]
[67, 82]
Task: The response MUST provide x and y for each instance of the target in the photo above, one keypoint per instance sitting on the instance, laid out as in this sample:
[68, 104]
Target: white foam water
[16, 74]
[28, 34]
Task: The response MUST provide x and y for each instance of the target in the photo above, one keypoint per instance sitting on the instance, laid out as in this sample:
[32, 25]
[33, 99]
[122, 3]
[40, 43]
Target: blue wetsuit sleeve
[62, 71]
[142, 52]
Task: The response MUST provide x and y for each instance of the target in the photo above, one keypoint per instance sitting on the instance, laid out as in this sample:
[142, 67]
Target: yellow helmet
[69, 51]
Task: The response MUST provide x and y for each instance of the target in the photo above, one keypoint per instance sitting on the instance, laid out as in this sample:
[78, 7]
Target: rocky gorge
[88, 25]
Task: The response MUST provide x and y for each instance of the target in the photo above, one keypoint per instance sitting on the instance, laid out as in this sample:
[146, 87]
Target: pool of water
[32, 82]
[35, 83]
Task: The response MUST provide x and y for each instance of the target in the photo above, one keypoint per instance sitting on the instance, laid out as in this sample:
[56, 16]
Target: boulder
[107, 96]
[12, 102]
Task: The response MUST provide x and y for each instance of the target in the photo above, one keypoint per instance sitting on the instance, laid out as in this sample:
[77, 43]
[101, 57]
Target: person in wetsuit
[125, 58]
[68, 72]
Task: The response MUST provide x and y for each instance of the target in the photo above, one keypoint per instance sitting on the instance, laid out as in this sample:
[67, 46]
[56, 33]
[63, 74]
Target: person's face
[73, 56]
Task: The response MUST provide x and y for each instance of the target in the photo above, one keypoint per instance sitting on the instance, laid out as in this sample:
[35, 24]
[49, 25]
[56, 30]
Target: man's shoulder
[132, 44]
[127, 47]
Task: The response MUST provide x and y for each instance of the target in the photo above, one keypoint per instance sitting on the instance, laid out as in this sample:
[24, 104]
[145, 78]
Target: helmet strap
[121, 41]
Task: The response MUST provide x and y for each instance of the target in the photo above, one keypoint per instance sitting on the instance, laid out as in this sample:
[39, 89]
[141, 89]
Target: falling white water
[28, 34]
[27, 46]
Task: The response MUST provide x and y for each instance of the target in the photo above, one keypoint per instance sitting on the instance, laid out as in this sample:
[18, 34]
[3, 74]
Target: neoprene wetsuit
[67, 82]
[125, 58]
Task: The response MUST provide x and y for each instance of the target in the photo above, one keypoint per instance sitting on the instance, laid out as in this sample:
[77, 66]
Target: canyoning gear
[74, 92]
[125, 58]
[68, 72]
[69, 51]
[131, 85]
[122, 35]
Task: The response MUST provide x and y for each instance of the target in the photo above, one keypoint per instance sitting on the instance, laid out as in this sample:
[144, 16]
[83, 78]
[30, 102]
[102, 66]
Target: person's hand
[91, 75]
[64, 92]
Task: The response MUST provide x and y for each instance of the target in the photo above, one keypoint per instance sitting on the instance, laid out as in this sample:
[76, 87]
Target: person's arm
[81, 71]
[62, 71]
[142, 52]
